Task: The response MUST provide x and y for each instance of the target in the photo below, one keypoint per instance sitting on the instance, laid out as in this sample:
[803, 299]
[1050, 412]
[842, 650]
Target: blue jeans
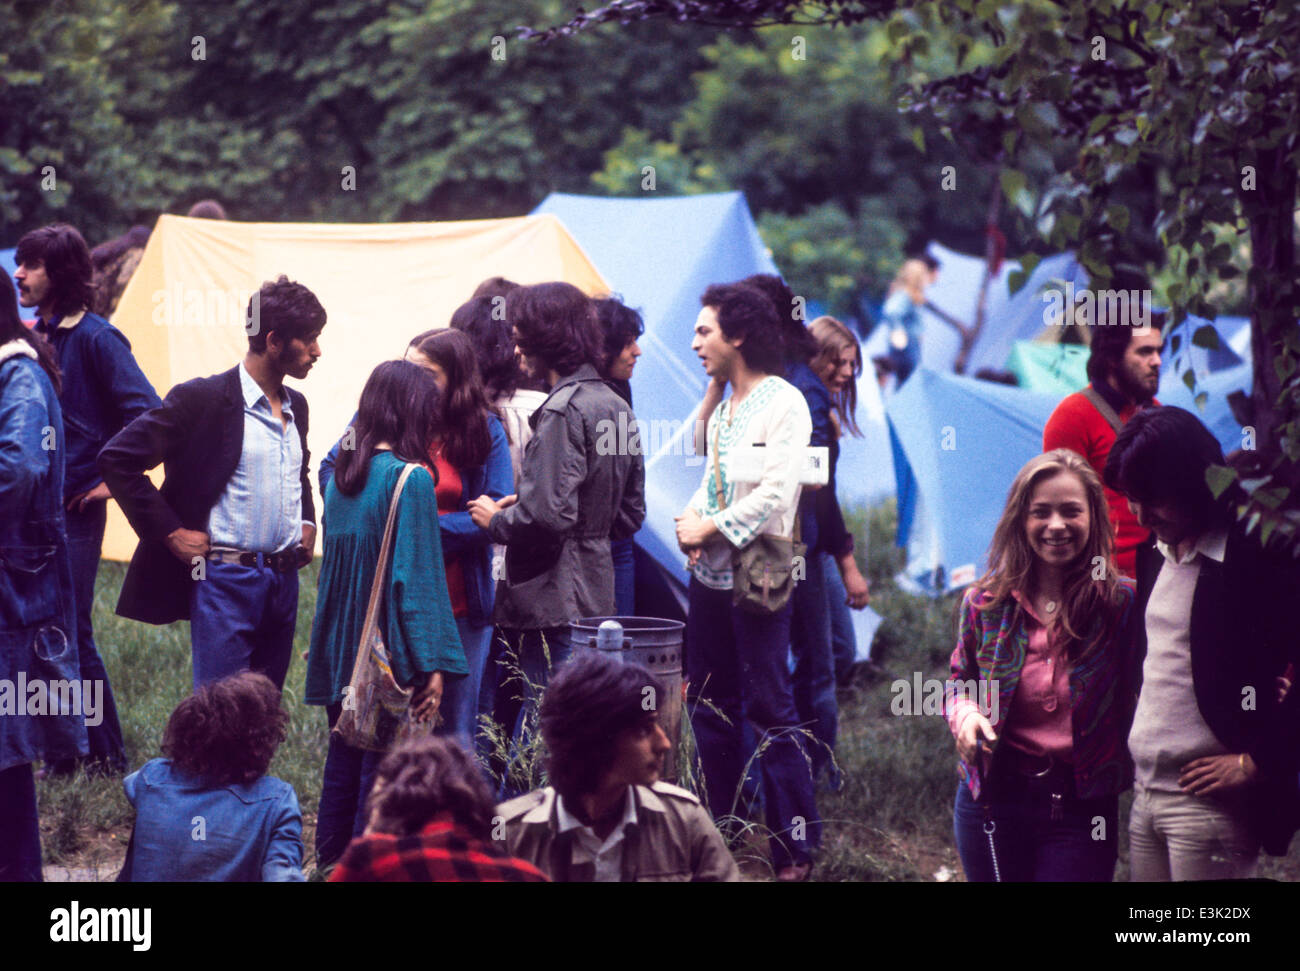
[85, 539]
[345, 787]
[1030, 846]
[844, 644]
[624, 576]
[460, 696]
[242, 618]
[738, 662]
[515, 653]
[20, 834]
[814, 670]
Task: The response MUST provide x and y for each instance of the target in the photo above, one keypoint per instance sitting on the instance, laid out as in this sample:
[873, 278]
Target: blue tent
[958, 443]
[659, 255]
[1007, 319]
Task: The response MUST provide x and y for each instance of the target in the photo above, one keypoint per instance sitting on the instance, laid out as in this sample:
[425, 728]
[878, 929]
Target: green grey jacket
[582, 484]
[674, 838]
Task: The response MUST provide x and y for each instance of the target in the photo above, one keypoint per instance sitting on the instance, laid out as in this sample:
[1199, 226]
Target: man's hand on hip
[185, 544]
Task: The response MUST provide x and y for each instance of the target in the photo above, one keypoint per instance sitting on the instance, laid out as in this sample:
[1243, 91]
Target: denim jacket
[38, 634]
[185, 831]
[460, 537]
[103, 390]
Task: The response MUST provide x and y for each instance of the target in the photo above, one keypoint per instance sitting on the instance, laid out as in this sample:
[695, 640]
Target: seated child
[209, 811]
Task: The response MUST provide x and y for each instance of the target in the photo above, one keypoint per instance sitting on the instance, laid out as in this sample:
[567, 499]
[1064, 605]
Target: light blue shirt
[261, 508]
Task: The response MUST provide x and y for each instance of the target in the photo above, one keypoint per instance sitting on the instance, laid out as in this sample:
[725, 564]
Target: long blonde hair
[833, 338]
[912, 276]
[1012, 563]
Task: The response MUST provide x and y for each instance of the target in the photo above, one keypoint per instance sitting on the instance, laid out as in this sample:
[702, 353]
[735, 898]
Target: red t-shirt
[1078, 426]
[449, 492]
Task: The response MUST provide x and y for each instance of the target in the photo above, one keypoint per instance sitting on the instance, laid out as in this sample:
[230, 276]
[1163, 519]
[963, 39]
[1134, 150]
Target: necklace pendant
[1050, 606]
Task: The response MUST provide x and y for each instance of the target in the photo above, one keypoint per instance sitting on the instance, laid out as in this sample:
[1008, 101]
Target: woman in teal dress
[396, 422]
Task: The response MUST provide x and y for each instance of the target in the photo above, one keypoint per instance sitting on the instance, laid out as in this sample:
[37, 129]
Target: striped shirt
[261, 507]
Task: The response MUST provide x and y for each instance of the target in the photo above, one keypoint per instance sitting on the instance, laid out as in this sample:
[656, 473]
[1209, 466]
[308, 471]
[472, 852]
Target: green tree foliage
[438, 108]
[1202, 101]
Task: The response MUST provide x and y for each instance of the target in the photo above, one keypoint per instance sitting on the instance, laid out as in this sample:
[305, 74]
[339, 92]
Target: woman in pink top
[1041, 695]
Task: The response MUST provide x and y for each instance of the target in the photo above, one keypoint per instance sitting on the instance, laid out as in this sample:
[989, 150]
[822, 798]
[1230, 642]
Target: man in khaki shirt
[608, 818]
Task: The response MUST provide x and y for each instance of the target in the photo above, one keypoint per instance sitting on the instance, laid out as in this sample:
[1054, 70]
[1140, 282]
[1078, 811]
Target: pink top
[1039, 722]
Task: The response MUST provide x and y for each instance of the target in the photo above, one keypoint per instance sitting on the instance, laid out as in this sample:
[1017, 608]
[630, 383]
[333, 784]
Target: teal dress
[419, 628]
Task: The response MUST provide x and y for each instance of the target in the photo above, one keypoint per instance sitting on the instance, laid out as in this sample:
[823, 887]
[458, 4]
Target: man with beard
[1124, 373]
[221, 542]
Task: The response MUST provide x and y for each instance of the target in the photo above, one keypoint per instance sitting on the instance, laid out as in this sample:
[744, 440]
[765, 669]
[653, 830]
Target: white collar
[70, 321]
[568, 821]
[17, 347]
[1212, 544]
[253, 392]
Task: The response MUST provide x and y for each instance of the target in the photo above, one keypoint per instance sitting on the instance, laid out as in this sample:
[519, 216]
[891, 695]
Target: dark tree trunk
[1272, 288]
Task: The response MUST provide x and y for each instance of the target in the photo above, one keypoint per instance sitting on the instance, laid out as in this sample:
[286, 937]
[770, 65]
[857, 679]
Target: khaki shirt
[673, 838]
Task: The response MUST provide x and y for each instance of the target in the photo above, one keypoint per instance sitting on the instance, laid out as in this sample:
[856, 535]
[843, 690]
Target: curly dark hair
[495, 286]
[66, 258]
[589, 702]
[620, 325]
[556, 323]
[288, 308]
[800, 345]
[423, 777]
[744, 311]
[226, 733]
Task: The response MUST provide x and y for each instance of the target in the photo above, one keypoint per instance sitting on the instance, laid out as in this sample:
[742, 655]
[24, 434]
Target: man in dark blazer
[1216, 751]
[221, 542]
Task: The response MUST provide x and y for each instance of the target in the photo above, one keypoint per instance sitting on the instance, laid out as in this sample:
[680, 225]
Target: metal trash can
[656, 645]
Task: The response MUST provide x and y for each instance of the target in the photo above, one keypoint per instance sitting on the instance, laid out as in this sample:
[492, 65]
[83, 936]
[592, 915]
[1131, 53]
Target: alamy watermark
[641, 437]
[38, 696]
[182, 306]
[1128, 308]
[932, 696]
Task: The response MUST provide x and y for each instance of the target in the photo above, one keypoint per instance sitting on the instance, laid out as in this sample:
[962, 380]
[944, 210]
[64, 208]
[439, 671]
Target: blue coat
[38, 635]
[460, 537]
[103, 391]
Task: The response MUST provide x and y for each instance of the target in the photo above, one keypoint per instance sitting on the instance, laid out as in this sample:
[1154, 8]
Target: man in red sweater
[1124, 371]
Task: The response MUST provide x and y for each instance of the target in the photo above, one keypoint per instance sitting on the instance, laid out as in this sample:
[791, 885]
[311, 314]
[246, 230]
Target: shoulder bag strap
[1104, 409]
[717, 467]
[385, 550]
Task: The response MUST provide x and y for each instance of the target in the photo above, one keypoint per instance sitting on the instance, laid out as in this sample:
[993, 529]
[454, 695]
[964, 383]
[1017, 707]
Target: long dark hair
[556, 323]
[587, 704]
[66, 258]
[464, 408]
[399, 405]
[12, 328]
[483, 320]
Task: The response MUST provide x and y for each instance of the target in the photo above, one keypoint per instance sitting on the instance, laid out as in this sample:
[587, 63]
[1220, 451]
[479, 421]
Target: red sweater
[1078, 426]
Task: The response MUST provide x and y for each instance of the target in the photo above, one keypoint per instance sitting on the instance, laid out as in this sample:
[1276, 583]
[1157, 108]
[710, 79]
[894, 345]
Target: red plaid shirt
[441, 853]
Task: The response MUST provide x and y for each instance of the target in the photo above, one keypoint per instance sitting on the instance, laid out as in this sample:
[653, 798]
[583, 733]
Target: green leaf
[1117, 216]
[1218, 478]
[1206, 336]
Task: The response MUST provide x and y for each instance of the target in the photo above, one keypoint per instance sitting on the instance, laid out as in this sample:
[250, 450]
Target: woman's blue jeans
[1082, 846]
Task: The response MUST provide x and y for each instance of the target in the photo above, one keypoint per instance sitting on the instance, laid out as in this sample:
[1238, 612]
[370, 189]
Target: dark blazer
[198, 435]
[1245, 628]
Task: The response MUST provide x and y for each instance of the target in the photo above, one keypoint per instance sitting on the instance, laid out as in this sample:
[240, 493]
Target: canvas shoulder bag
[763, 572]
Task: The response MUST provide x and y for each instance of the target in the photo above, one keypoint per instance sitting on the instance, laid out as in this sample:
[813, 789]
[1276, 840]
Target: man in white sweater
[737, 661]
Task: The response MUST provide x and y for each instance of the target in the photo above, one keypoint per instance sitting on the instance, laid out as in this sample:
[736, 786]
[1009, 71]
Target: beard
[1133, 389]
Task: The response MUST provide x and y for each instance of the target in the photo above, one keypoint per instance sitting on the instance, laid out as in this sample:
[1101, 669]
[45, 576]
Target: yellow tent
[183, 310]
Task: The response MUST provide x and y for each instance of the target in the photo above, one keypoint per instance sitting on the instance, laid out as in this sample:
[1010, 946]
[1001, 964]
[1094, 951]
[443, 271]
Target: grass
[891, 821]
